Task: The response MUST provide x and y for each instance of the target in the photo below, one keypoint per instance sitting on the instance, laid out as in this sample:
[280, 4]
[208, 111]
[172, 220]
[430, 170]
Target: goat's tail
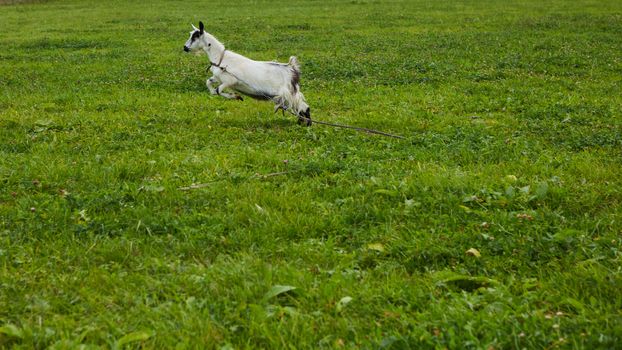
[293, 62]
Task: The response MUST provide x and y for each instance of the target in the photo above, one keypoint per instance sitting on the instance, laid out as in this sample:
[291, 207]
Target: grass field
[496, 223]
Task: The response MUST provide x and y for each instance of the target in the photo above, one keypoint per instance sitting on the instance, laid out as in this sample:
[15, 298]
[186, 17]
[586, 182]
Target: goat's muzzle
[305, 114]
[186, 48]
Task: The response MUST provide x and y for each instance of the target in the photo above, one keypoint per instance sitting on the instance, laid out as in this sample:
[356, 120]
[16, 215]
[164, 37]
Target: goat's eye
[208, 45]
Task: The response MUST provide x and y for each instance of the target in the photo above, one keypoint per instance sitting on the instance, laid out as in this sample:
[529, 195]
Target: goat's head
[303, 111]
[195, 43]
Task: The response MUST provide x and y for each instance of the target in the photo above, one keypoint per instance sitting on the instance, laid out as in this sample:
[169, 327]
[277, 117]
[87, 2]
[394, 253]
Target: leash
[357, 128]
[219, 62]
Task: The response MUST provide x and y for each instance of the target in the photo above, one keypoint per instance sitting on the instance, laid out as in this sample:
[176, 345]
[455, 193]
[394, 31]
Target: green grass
[512, 114]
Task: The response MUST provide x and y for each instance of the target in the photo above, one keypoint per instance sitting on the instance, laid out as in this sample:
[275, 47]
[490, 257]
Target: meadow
[138, 211]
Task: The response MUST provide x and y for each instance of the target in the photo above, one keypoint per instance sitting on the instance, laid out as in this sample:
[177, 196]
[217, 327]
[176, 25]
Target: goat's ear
[201, 27]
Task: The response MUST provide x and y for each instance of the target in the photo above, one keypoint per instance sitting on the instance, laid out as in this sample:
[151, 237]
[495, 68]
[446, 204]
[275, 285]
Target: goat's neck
[215, 51]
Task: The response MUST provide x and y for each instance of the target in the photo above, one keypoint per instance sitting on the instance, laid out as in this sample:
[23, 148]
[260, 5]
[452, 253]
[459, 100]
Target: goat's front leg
[221, 87]
[281, 107]
[210, 84]
[279, 104]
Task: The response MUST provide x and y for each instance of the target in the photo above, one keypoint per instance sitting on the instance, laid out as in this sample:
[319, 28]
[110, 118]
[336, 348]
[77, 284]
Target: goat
[273, 81]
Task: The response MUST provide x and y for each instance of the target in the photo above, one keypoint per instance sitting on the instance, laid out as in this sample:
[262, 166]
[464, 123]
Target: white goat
[278, 82]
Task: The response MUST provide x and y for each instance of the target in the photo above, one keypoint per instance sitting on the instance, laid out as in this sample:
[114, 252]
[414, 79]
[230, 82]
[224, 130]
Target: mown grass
[514, 148]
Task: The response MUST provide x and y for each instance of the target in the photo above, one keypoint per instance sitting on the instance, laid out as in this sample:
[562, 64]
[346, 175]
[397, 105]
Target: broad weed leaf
[278, 290]
[342, 303]
[473, 252]
[12, 331]
[133, 337]
[376, 246]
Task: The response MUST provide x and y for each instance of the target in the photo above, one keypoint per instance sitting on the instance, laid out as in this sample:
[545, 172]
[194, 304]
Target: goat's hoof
[238, 97]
